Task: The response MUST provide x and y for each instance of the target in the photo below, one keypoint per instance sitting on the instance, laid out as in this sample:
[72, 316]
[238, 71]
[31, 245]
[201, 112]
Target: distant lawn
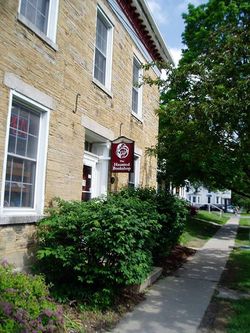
[237, 276]
[240, 320]
[213, 216]
[197, 233]
[245, 221]
[243, 237]
[239, 265]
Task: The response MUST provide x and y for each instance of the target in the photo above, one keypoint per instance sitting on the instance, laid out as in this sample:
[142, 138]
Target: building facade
[69, 85]
[199, 196]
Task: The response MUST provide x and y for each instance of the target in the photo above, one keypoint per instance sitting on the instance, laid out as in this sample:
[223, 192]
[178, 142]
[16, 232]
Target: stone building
[68, 87]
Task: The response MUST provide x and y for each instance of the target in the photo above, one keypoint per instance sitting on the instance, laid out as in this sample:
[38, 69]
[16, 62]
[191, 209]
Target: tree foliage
[204, 115]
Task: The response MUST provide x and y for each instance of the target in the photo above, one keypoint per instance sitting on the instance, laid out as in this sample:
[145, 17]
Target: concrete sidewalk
[176, 304]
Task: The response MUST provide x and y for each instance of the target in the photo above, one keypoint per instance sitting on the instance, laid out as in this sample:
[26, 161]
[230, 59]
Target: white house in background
[199, 196]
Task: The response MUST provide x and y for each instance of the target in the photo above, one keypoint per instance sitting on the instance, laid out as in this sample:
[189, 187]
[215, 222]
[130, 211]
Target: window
[133, 177]
[40, 16]
[103, 50]
[194, 199]
[136, 90]
[25, 166]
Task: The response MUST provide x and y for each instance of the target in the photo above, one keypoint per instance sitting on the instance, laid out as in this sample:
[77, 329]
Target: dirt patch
[216, 317]
[178, 256]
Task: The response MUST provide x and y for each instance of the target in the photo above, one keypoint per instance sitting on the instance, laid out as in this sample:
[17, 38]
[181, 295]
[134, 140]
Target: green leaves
[204, 115]
[109, 243]
[25, 305]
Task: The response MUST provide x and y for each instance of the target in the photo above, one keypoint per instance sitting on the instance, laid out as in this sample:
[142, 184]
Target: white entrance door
[89, 176]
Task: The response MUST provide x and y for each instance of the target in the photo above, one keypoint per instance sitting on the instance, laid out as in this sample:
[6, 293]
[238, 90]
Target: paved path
[176, 304]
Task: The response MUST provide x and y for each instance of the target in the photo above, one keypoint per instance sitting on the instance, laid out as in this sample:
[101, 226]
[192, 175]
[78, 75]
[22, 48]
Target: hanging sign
[122, 155]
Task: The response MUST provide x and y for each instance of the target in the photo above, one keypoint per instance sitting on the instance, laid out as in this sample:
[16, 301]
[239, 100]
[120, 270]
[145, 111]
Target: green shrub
[89, 250]
[93, 245]
[25, 305]
[172, 215]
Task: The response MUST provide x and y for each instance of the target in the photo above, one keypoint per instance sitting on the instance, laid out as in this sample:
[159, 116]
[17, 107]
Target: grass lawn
[237, 277]
[197, 233]
[213, 216]
[245, 221]
[239, 264]
[243, 237]
[224, 314]
[240, 320]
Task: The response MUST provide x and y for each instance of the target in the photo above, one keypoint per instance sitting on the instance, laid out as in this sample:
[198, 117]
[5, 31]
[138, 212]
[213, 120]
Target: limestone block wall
[61, 74]
[17, 245]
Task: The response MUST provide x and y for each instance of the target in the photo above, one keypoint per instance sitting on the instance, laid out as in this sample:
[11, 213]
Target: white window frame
[50, 36]
[137, 165]
[39, 192]
[137, 114]
[108, 70]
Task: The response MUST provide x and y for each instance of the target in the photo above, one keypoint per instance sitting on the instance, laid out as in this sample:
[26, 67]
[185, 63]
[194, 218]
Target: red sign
[122, 155]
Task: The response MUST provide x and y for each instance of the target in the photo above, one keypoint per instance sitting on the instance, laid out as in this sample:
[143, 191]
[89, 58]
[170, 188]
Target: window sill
[102, 87]
[40, 34]
[19, 219]
[137, 117]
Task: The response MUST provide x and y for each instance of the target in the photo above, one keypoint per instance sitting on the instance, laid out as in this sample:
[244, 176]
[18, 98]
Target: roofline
[148, 20]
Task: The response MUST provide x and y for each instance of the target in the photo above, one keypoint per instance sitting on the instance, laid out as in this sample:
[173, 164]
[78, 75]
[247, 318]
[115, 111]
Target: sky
[168, 17]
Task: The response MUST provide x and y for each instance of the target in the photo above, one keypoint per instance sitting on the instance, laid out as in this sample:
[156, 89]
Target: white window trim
[137, 168]
[41, 160]
[91, 160]
[107, 87]
[138, 115]
[50, 36]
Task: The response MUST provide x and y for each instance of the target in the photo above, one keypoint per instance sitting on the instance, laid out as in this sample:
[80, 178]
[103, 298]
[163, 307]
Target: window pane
[101, 36]
[42, 6]
[36, 11]
[23, 7]
[20, 171]
[15, 194]
[31, 13]
[23, 120]
[29, 172]
[21, 143]
[32, 147]
[27, 196]
[20, 183]
[7, 194]
[27, 122]
[100, 67]
[34, 124]
[12, 144]
[16, 169]
[135, 100]
[136, 72]
[33, 2]
[41, 22]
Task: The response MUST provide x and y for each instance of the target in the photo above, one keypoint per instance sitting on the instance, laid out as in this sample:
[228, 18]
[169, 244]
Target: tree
[204, 114]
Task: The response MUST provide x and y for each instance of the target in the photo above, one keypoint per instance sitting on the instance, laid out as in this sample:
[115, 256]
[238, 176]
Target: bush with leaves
[172, 215]
[25, 305]
[90, 249]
